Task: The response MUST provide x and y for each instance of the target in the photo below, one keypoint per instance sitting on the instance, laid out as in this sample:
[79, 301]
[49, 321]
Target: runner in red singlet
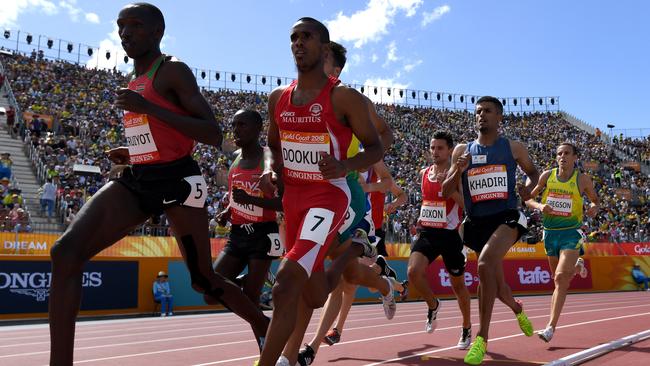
[165, 115]
[254, 239]
[311, 127]
[438, 236]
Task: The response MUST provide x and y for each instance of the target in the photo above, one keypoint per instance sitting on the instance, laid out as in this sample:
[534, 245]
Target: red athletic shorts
[313, 214]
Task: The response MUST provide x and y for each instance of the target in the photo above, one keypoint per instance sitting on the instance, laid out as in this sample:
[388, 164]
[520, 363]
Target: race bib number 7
[316, 225]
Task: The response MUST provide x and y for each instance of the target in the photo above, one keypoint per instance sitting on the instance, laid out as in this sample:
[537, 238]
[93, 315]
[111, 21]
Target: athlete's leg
[563, 273]
[349, 291]
[295, 340]
[462, 295]
[110, 215]
[229, 266]
[417, 266]
[190, 229]
[490, 264]
[257, 270]
[329, 314]
[362, 275]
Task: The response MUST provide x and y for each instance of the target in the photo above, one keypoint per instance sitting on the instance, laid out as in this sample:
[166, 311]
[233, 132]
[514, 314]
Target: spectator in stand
[5, 165]
[640, 277]
[162, 293]
[13, 199]
[4, 188]
[48, 197]
[20, 220]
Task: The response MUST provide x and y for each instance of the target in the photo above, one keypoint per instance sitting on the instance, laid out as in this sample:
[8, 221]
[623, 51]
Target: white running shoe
[547, 334]
[282, 361]
[432, 323]
[390, 307]
[465, 338]
[583, 269]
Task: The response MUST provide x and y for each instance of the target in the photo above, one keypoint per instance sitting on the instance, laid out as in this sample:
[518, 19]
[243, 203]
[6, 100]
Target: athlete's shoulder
[276, 93]
[171, 64]
[344, 91]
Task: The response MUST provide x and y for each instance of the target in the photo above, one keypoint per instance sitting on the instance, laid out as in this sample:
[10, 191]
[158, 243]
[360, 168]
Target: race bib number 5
[316, 225]
[198, 191]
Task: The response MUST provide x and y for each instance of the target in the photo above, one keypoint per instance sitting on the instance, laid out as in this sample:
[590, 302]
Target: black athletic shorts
[161, 186]
[432, 242]
[476, 231]
[254, 241]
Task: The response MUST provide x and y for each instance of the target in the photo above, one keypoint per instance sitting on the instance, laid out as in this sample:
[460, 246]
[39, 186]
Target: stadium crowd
[72, 121]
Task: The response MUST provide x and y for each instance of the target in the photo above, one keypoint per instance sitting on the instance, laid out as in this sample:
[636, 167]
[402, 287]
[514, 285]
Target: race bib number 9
[142, 147]
[277, 246]
[488, 183]
[316, 225]
[198, 191]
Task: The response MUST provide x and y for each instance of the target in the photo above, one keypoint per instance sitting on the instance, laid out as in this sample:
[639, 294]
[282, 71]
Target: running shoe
[282, 361]
[465, 338]
[332, 337]
[361, 237]
[547, 334]
[523, 321]
[386, 270]
[431, 318]
[306, 356]
[476, 353]
[405, 293]
[583, 269]
[390, 307]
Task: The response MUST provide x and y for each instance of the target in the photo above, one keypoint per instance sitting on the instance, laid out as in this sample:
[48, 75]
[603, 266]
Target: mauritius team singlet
[308, 130]
[437, 212]
[489, 181]
[149, 139]
[247, 180]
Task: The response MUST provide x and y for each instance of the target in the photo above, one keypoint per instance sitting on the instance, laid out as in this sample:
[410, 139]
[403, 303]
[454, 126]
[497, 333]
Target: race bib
[316, 225]
[488, 183]
[562, 204]
[198, 191]
[349, 217]
[142, 147]
[433, 214]
[277, 246]
[301, 153]
[249, 211]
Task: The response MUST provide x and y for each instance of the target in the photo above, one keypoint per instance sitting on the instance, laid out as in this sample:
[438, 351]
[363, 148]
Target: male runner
[254, 239]
[562, 209]
[311, 126]
[164, 115]
[438, 223]
[493, 224]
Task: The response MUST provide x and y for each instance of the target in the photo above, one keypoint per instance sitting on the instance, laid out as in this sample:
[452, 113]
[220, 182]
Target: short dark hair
[155, 13]
[339, 53]
[493, 100]
[444, 135]
[573, 146]
[322, 29]
[251, 115]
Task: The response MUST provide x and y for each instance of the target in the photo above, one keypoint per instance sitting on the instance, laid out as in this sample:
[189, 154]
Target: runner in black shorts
[165, 114]
[254, 239]
[487, 168]
[438, 235]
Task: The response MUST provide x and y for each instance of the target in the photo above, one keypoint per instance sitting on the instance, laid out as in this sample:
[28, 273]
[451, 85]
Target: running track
[369, 339]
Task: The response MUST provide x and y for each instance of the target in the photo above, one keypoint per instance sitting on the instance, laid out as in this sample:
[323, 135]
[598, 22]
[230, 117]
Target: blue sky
[592, 54]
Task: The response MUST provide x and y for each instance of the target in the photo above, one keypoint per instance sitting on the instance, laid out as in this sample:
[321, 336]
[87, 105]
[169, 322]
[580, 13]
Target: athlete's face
[245, 131]
[565, 157]
[440, 151]
[308, 50]
[487, 117]
[329, 66]
[138, 31]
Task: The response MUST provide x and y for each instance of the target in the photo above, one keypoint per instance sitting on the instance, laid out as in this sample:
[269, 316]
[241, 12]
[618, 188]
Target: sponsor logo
[446, 282]
[535, 277]
[37, 284]
[25, 245]
[287, 114]
[642, 249]
[316, 109]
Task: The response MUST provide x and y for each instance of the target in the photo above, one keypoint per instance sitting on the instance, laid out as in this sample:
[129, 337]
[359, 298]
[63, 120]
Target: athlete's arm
[240, 196]
[521, 156]
[384, 179]
[541, 184]
[459, 163]
[384, 131]
[399, 200]
[273, 160]
[587, 187]
[176, 82]
[349, 106]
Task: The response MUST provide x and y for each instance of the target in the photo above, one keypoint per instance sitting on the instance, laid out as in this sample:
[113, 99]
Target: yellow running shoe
[476, 353]
[524, 324]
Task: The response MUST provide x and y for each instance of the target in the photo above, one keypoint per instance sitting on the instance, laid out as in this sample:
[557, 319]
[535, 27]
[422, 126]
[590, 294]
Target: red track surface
[369, 339]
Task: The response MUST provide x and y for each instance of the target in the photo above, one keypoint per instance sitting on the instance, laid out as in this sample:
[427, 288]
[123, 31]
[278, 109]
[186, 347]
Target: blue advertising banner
[24, 286]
